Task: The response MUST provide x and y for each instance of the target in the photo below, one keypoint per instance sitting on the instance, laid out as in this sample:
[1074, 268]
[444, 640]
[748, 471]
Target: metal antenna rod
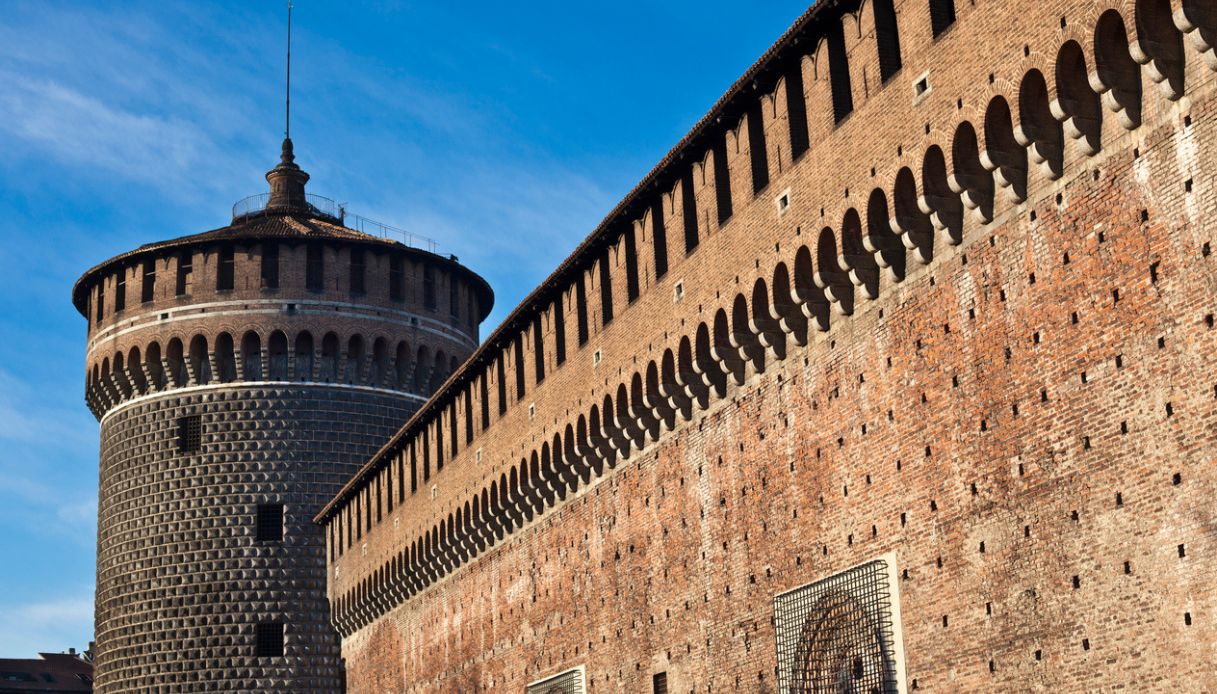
[287, 126]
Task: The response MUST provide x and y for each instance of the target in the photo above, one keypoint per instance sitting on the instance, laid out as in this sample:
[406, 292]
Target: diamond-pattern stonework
[182, 580]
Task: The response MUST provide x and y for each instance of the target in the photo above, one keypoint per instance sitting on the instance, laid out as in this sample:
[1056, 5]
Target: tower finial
[287, 121]
[287, 180]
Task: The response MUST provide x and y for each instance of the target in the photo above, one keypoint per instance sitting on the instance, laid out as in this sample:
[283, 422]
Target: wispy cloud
[43, 445]
[50, 625]
[27, 417]
[81, 130]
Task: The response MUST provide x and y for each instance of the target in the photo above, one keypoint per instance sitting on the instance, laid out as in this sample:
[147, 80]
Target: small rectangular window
[722, 180]
[358, 271]
[519, 364]
[401, 477]
[269, 640]
[270, 523]
[348, 521]
[429, 298]
[270, 265]
[631, 265]
[538, 349]
[147, 290]
[659, 237]
[225, 271]
[314, 268]
[468, 395]
[659, 683]
[101, 301]
[796, 111]
[783, 202]
[485, 400]
[413, 470]
[502, 384]
[559, 333]
[185, 273]
[838, 74]
[688, 203]
[759, 156]
[887, 35]
[581, 309]
[397, 278]
[189, 433]
[426, 454]
[379, 500]
[120, 290]
[453, 431]
[439, 442]
[606, 290]
[942, 15]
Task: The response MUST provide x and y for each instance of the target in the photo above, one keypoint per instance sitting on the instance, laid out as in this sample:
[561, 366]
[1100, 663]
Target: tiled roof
[270, 225]
[54, 672]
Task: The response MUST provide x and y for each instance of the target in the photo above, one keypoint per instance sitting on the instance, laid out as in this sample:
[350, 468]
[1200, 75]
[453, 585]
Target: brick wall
[976, 338]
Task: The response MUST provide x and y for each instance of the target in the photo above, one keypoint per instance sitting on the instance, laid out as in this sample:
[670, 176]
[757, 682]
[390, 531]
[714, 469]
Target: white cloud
[51, 625]
[27, 417]
[43, 451]
[81, 130]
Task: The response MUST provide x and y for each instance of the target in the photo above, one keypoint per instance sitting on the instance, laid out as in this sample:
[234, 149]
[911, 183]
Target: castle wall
[975, 339]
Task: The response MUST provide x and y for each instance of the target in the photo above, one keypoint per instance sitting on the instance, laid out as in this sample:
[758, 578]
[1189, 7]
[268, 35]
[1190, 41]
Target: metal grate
[836, 635]
[659, 683]
[189, 433]
[569, 682]
[269, 639]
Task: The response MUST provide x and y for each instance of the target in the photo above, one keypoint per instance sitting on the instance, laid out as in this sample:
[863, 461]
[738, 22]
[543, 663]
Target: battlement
[869, 150]
[256, 302]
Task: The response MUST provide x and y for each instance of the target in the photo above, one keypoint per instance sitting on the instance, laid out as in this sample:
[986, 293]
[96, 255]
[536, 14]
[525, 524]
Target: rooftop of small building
[50, 672]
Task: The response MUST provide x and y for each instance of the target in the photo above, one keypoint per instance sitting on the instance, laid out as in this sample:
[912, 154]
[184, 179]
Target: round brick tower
[241, 376]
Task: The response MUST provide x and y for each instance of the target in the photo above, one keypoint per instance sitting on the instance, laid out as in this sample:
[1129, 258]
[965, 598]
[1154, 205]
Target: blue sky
[504, 131]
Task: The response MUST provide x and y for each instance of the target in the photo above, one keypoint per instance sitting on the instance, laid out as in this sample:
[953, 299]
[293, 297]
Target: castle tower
[241, 376]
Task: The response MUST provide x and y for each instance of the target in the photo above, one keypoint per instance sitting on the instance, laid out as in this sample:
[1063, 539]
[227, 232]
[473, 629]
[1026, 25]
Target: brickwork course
[931, 286]
[241, 376]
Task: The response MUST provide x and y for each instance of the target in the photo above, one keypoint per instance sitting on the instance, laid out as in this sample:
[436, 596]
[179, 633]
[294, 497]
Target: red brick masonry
[972, 325]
